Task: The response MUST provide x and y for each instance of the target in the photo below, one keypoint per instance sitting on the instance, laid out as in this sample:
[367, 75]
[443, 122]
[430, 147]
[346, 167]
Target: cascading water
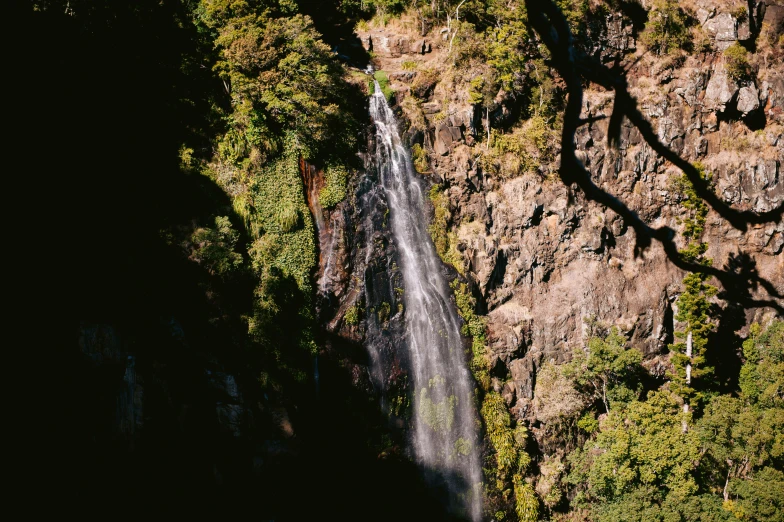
[445, 437]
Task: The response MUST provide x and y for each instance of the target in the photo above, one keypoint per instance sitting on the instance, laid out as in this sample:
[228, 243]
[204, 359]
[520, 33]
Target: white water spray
[445, 435]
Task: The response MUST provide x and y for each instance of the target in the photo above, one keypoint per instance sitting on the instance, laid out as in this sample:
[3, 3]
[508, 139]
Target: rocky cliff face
[543, 258]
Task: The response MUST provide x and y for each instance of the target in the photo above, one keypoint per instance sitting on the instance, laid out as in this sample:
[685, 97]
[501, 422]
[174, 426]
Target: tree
[688, 356]
[215, 247]
[607, 369]
[741, 435]
[665, 32]
[638, 451]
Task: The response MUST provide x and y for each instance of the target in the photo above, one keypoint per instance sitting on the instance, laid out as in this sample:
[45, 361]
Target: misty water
[444, 435]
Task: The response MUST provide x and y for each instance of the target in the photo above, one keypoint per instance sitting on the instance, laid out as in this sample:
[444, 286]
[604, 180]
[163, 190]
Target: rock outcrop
[543, 259]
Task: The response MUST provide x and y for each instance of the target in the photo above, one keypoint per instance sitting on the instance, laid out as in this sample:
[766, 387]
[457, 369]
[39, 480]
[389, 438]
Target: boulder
[724, 29]
[443, 140]
[748, 100]
[721, 88]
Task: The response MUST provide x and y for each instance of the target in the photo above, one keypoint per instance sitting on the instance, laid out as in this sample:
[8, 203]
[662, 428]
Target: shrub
[362, 26]
[740, 13]
[525, 149]
[419, 157]
[414, 114]
[352, 316]
[475, 327]
[737, 62]
[409, 65]
[475, 91]
[444, 241]
[666, 30]
[424, 83]
[384, 311]
[214, 247]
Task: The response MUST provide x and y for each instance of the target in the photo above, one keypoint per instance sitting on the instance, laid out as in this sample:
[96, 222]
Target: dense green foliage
[334, 191]
[694, 224]
[474, 326]
[419, 158]
[215, 247]
[742, 436]
[506, 488]
[694, 310]
[638, 463]
[290, 101]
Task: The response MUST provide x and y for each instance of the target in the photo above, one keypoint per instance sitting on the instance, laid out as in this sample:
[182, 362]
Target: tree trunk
[726, 492]
[487, 125]
[688, 378]
[688, 354]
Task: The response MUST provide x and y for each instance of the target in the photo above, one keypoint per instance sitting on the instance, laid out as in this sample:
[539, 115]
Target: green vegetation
[383, 82]
[641, 446]
[291, 100]
[737, 62]
[613, 442]
[666, 31]
[352, 316]
[416, 121]
[527, 148]
[438, 414]
[408, 65]
[474, 326]
[697, 213]
[607, 371]
[695, 310]
[444, 241]
[215, 248]
[424, 82]
[743, 436]
[475, 95]
[419, 157]
[650, 459]
[506, 486]
[334, 191]
[384, 311]
[510, 457]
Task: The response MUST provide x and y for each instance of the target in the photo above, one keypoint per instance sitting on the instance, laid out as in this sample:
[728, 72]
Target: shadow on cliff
[552, 28]
[725, 354]
[165, 414]
[335, 21]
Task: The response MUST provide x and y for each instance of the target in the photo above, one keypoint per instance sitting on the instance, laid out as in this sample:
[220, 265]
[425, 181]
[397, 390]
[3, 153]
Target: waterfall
[444, 433]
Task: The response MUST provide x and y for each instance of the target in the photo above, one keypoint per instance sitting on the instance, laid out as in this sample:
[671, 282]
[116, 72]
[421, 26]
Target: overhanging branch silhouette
[551, 26]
